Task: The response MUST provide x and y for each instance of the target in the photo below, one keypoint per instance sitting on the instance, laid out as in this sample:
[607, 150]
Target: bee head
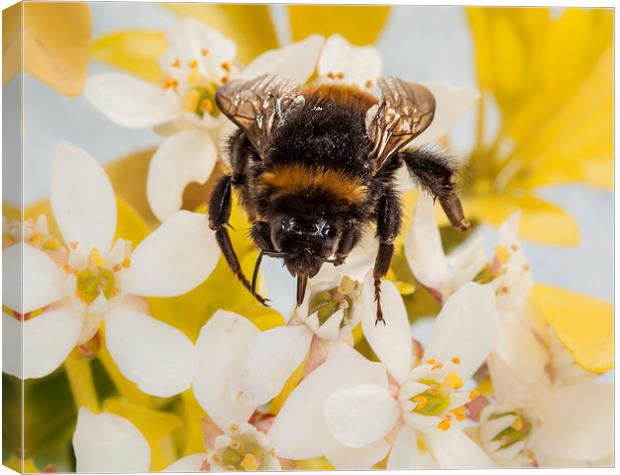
[306, 241]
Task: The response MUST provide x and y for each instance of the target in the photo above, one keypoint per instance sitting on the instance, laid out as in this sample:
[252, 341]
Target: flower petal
[157, 357]
[269, 360]
[452, 104]
[186, 157]
[361, 458]
[82, 199]
[390, 342]
[423, 248]
[189, 463]
[454, 449]
[109, 443]
[466, 327]
[43, 279]
[580, 422]
[297, 61]
[174, 258]
[409, 451]
[361, 65]
[221, 345]
[190, 40]
[300, 430]
[360, 415]
[130, 102]
[48, 339]
[11, 345]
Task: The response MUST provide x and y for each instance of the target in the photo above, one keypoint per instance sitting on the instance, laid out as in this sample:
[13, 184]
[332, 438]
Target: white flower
[320, 326]
[109, 443]
[100, 276]
[550, 425]
[347, 411]
[549, 412]
[442, 274]
[197, 62]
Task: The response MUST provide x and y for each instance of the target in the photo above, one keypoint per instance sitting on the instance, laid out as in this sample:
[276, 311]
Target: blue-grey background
[418, 43]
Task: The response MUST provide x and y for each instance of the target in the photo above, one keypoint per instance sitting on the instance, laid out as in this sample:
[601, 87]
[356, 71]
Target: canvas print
[306, 237]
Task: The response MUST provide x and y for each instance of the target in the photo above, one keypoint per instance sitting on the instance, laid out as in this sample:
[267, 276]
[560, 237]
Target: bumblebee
[314, 167]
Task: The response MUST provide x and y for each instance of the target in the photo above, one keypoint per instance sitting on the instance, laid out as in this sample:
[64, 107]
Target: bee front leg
[261, 234]
[219, 214]
[388, 226]
[349, 238]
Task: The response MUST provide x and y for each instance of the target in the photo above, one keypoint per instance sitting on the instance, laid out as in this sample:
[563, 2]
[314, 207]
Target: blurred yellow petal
[192, 428]
[15, 463]
[11, 42]
[56, 44]
[249, 26]
[156, 426]
[128, 177]
[360, 25]
[583, 324]
[291, 383]
[129, 224]
[135, 51]
[507, 43]
[540, 221]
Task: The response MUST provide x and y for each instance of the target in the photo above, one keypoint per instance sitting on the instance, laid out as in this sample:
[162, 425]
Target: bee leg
[349, 238]
[434, 173]
[261, 234]
[388, 227]
[219, 213]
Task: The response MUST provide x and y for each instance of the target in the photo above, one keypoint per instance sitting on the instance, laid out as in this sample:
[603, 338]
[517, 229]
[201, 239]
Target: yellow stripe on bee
[291, 179]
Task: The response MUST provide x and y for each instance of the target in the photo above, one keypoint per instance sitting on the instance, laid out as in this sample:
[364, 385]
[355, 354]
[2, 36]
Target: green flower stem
[81, 381]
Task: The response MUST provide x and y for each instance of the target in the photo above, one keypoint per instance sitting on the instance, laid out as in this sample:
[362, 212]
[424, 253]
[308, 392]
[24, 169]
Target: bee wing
[404, 112]
[258, 106]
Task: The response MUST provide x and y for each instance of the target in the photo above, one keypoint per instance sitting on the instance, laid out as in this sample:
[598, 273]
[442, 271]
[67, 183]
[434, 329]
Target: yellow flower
[551, 81]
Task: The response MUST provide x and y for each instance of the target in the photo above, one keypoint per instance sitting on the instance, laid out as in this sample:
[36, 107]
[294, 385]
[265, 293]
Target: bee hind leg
[219, 214]
[434, 172]
[388, 226]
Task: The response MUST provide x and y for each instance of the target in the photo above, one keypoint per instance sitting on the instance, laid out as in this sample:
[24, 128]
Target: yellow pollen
[473, 394]
[331, 75]
[68, 269]
[444, 425]
[225, 67]
[224, 79]
[250, 462]
[170, 83]
[503, 255]
[206, 105]
[459, 413]
[234, 444]
[204, 52]
[233, 427]
[456, 360]
[454, 381]
[431, 361]
[36, 239]
[514, 247]
[117, 267]
[190, 102]
[369, 83]
[421, 401]
[438, 365]
[340, 75]
[217, 458]
[114, 292]
[177, 63]
[193, 64]
[126, 263]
